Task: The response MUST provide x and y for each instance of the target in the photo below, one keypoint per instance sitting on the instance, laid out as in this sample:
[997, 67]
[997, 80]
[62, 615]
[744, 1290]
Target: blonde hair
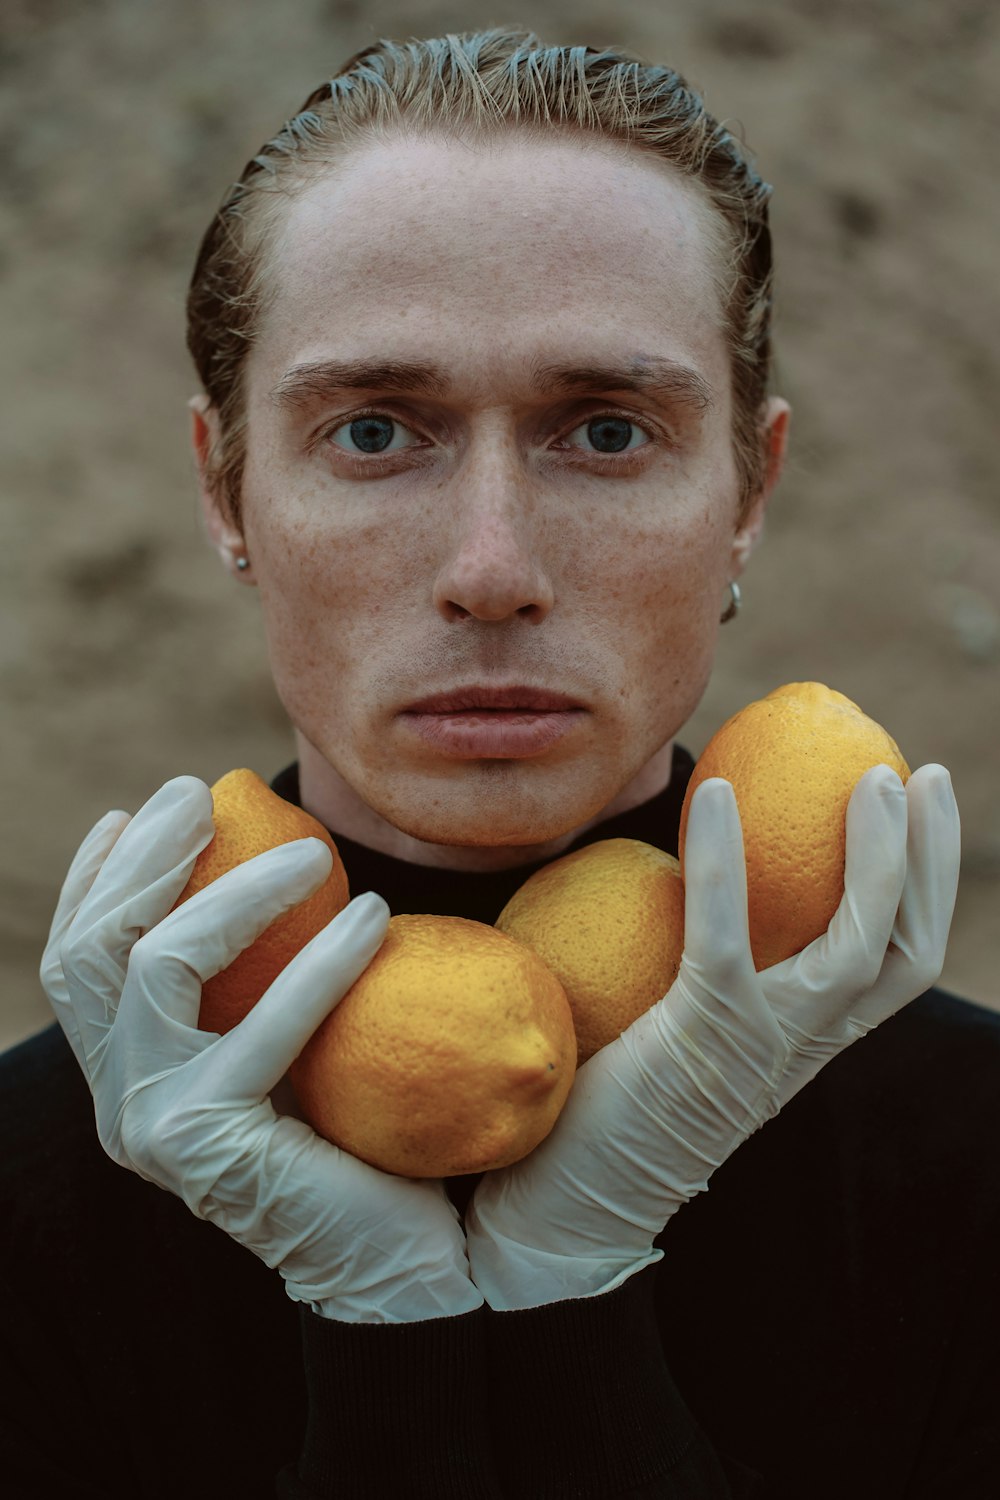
[478, 85]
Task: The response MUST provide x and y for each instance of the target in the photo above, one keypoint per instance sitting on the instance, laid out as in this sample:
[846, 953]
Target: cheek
[333, 585]
[665, 595]
[664, 584]
[330, 588]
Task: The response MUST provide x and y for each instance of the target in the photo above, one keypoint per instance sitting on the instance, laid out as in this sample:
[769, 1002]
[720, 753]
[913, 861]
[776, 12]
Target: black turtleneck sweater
[825, 1321]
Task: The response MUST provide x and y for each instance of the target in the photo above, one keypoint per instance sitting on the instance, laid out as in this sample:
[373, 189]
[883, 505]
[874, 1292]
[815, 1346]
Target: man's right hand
[190, 1110]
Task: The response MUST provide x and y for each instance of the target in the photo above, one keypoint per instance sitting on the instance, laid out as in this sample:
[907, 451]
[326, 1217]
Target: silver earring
[733, 607]
[242, 563]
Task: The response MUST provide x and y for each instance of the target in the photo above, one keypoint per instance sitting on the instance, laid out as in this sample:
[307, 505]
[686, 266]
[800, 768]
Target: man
[483, 335]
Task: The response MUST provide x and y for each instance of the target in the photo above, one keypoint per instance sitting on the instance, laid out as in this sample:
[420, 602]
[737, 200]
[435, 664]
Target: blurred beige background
[126, 655]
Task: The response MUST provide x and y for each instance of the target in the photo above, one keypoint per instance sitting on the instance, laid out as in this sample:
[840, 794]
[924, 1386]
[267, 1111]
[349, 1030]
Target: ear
[223, 532]
[774, 435]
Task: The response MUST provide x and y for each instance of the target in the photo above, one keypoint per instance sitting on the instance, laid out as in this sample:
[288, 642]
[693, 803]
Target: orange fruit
[793, 759]
[250, 818]
[608, 920]
[453, 1052]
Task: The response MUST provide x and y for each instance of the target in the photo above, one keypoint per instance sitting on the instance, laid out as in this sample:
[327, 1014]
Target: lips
[478, 699]
[493, 723]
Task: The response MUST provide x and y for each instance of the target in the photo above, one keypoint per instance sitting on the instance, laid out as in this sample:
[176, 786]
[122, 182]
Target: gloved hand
[652, 1115]
[190, 1110]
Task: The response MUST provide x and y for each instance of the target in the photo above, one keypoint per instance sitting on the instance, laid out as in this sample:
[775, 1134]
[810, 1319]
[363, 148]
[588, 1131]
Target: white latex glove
[652, 1115]
[190, 1110]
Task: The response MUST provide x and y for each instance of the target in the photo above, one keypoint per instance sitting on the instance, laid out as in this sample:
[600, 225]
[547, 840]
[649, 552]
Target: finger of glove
[158, 1015]
[259, 1051]
[814, 993]
[80, 876]
[136, 886]
[920, 932]
[717, 962]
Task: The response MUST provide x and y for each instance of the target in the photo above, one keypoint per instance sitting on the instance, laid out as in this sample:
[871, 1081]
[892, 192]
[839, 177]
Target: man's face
[489, 447]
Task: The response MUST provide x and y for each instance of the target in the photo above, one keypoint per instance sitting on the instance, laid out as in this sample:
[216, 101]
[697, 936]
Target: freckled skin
[497, 545]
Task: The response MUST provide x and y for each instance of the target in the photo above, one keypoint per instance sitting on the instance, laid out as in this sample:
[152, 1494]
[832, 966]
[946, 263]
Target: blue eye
[609, 434]
[371, 433]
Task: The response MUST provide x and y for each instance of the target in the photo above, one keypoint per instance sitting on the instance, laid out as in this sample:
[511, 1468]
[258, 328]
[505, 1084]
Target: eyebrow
[664, 378]
[311, 382]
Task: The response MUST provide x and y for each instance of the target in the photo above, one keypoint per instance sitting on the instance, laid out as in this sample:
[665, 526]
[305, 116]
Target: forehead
[496, 251]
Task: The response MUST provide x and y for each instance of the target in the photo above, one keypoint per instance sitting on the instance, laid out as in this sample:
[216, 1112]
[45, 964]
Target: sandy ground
[127, 657]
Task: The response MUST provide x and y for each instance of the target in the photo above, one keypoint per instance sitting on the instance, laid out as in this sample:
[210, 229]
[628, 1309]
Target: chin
[497, 811]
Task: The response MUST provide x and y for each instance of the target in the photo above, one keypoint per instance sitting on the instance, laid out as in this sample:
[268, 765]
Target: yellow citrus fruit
[793, 759]
[608, 920]
[250, 818]
[453, 1052]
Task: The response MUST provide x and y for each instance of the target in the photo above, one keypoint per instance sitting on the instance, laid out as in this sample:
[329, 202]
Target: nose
[494, 570]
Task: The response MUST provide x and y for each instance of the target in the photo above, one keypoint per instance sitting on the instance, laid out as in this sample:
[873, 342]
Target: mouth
[493, 723]
[476, 699]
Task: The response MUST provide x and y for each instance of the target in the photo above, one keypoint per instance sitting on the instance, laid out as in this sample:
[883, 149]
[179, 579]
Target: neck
[324, 793]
